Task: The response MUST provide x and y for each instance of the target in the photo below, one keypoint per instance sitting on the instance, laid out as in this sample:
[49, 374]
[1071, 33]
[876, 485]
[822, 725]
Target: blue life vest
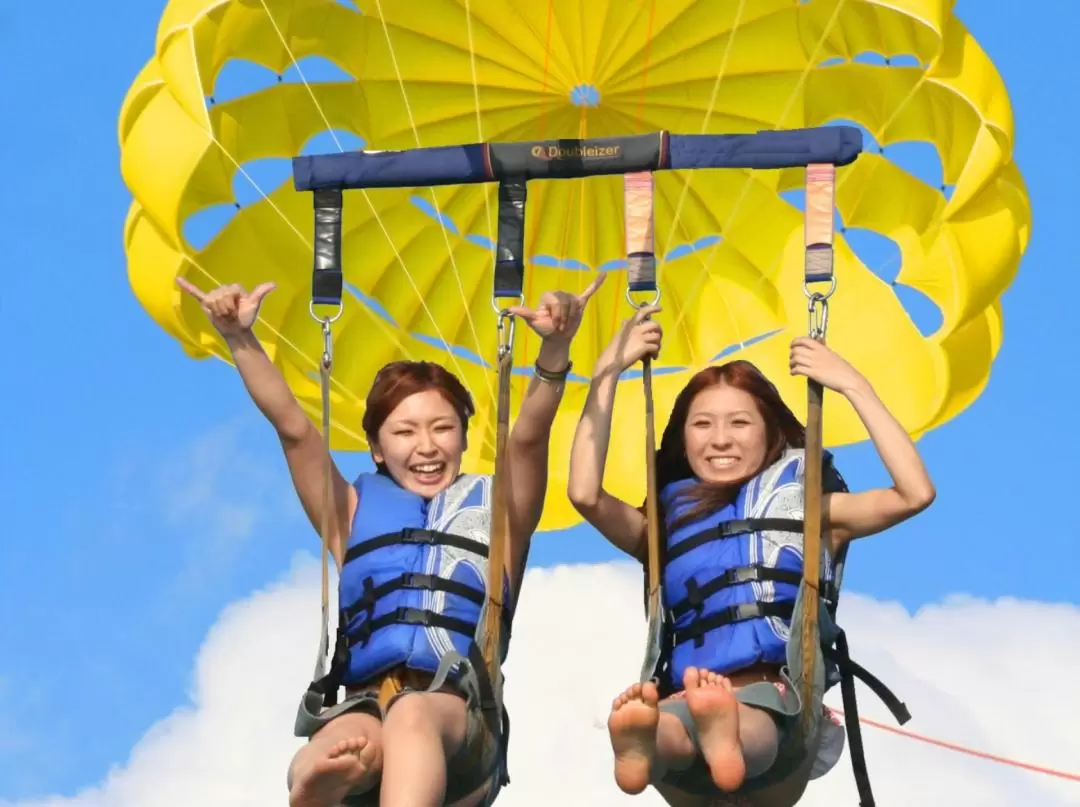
[731, 577]
[413, 584]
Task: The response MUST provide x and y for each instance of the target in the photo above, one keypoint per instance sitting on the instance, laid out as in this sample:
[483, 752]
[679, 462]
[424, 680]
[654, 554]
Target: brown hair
[398, 380]
[782, 429]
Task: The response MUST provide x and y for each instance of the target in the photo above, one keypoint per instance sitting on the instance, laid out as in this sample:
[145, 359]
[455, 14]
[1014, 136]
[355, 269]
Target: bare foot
[346, 767]
[632, 725]
[712, 704]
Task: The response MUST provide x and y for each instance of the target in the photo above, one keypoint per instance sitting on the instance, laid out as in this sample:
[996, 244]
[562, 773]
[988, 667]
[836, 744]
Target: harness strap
[818, 240]
[638, 209]
[849, 671]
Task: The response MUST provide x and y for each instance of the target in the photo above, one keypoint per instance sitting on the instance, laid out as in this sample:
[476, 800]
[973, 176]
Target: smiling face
[725, 435]
[421, 443]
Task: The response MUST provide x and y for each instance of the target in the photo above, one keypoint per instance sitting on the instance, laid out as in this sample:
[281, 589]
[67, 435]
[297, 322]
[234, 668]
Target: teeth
[429, 468]
[723, 461]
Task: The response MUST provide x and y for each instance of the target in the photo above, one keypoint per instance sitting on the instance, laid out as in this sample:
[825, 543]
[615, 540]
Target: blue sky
[143, 493]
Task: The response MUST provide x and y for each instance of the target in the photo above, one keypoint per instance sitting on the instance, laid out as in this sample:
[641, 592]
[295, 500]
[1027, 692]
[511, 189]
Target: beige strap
[500, 530]
[820, 193]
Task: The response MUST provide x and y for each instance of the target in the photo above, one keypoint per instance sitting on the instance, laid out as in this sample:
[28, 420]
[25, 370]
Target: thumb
[592, 288]
[259, 292]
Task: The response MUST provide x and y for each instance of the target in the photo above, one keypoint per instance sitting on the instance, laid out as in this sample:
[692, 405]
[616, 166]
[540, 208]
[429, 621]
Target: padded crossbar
[568, 159]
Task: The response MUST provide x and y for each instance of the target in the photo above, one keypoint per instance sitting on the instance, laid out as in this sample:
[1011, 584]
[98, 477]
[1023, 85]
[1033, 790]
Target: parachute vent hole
[585, 95]
[458, 351]
[918, 158]
[882, 256]
[258, 177]
[435, 214]
[349, 4]
[735, 347]
[683, 250]
[371, 303]
[329, 140]
[924, 312]
[878, 59]
[203, 226]
[317, 70]
[238, 78]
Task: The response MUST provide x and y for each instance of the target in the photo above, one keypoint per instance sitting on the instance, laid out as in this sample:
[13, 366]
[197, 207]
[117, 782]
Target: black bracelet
[548, 375]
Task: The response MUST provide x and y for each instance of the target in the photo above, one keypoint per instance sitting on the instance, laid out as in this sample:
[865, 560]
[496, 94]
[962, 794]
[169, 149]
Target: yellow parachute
[418, 262]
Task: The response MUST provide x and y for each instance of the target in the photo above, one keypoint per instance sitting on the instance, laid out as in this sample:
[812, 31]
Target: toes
[650, 694]
[691, 678]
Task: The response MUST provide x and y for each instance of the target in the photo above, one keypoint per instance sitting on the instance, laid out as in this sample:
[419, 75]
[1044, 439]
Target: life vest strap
[415, 536]
[729, 529]
[756, 573]
[408, 616]
[733, 613]
[431, 582]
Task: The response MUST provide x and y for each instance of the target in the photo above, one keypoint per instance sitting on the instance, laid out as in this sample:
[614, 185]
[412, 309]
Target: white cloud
[578, 642]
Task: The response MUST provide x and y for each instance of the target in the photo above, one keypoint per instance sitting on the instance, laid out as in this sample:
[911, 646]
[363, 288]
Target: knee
[411, 713]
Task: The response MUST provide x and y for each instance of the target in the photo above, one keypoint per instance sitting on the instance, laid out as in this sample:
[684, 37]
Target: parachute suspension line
[327, 284]
[638, 200]
[818, 267]
[509, 281]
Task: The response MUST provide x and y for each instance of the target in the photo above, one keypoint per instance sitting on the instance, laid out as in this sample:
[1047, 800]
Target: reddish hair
[398, 380]
[782, 429]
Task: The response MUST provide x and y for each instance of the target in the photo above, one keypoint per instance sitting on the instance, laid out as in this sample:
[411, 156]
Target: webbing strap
[509, 281]
[638, 201]
[820, 191]
[510, 247]
[326, 289]
[327, 280]
[640, 250]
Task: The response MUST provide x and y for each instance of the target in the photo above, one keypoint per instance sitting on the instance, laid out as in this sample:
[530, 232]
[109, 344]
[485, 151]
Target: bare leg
[632, 726]
[342, 757]
[422, 730]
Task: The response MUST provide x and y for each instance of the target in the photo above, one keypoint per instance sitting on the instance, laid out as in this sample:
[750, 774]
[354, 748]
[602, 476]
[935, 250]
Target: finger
[646, 311]
[591, 289]
[522, 311]
[194, 291]
[260, 291]
[566, 311]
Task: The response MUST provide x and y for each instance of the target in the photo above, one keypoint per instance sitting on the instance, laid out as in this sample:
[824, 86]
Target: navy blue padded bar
[566, 159]
[414, 168]
[792, 148]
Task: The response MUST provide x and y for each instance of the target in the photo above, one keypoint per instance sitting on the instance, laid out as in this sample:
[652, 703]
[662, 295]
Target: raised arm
[622, 524]
[853, 515]
[233, 311]
[556, 320]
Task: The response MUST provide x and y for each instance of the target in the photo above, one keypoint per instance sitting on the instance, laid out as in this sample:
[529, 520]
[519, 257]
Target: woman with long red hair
[716, 725]
[411, 544]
